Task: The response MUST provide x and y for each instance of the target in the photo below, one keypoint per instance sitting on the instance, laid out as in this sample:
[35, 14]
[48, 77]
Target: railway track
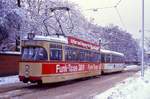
[65, 90]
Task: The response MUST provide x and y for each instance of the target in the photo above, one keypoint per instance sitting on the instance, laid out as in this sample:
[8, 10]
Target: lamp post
[142, 37]
[18, 3]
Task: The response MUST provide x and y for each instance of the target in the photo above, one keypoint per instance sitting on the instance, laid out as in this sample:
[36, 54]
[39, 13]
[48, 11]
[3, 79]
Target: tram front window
[34, 53]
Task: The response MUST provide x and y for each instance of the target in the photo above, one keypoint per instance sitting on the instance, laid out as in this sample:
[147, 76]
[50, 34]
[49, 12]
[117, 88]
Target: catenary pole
[142, 37]
[18, 3]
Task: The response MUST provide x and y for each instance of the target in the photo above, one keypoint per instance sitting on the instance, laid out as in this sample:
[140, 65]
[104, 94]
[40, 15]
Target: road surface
[76, 89]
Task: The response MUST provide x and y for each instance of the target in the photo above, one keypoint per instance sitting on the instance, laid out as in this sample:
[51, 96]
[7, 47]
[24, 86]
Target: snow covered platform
[9, 79]
[132, 67]
[135, 87]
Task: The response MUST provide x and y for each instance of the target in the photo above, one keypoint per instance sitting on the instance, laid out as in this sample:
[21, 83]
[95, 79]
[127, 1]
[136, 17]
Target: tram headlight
[27, 72]
[26, 67]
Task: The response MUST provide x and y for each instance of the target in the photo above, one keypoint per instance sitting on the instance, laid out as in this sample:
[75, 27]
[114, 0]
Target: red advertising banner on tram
[69, 67]
[83, 44]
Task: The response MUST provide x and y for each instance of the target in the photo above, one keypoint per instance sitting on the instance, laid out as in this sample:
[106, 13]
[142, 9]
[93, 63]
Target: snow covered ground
[135, 87]
[9, 79]
[132, 88]
[131, 67]
[13, 79]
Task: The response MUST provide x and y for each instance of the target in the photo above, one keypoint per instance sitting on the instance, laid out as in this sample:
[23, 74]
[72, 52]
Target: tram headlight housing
[27, 70]
[26, 67]
[31, 36]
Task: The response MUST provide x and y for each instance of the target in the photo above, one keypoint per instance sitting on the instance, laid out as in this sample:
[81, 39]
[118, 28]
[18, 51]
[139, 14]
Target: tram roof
[64, 39]
[53, 38]
[10, 52]
[111, 52]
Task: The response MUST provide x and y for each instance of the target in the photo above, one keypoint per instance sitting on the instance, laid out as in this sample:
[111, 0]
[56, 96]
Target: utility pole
[142, 38]
[18, 3]
[18, 37]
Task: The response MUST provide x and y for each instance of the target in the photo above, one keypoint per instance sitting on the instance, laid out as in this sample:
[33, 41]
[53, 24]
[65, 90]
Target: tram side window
[99, 57]
[122, 59]
[107, 58]
[94, 57]
[55, 52]
[67, 53]
[87, 56]
[102, 58]
[82, 55]
[76, 54]
[71, 54]
[117, 58]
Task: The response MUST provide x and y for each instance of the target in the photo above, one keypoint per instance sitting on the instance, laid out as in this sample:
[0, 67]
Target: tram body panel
[30, 69]
[56, 72]
[112, 61]
[67, 71]
[113, 67]
[51, 78]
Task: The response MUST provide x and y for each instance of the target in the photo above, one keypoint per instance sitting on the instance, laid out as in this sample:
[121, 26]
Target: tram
[49, 59]
[112, 61]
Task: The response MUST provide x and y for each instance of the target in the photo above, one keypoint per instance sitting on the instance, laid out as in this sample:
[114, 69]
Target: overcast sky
[130, 12]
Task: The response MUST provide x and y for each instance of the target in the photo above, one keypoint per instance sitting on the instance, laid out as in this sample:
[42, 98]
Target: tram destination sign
[83, 44]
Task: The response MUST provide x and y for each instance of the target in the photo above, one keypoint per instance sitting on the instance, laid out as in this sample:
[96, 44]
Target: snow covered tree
[49, 17]
[114, 38]
[9, 26]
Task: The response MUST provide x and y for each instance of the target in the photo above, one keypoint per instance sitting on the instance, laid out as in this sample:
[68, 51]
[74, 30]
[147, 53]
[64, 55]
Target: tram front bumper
[29, 79]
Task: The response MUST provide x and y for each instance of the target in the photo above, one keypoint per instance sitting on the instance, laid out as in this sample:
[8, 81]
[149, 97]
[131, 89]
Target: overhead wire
[119, 15]
[117, 4]
[116, 9]
[71, 22]
[95, 9]
[120, 18]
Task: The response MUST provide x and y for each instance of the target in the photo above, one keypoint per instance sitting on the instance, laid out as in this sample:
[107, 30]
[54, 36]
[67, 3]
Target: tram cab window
[55, 52]
[34, 53]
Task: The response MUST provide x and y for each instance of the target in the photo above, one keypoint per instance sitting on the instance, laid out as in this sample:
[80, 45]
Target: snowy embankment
[9, 79]
[135, 87]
